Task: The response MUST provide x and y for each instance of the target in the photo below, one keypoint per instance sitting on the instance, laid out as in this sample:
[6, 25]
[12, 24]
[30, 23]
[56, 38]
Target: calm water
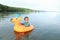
[47, 25]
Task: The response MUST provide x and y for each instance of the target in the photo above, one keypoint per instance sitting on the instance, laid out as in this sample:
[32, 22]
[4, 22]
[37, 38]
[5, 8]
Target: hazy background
[47, 5]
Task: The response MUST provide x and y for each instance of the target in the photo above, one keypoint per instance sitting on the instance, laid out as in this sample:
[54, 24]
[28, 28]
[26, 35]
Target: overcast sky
[48, 5]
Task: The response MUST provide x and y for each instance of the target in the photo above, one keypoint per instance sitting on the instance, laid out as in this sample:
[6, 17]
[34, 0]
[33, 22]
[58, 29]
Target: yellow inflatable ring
[18, 27]
[22, 28]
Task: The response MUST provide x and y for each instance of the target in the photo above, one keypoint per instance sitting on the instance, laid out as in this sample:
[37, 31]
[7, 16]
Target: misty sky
[48, 5]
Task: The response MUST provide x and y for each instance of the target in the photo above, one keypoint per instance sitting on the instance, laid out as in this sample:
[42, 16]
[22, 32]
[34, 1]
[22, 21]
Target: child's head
[26, 19]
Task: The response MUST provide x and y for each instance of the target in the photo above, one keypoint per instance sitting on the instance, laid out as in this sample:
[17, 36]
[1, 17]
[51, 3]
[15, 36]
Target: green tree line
[4, 8]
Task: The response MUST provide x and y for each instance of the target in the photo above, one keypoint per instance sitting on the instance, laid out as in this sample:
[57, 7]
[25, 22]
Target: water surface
[46, 24]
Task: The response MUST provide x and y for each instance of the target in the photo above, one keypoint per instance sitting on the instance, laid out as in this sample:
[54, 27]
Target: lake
[46, 24]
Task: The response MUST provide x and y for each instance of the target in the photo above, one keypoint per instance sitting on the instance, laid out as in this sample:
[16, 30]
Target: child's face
[26, 19]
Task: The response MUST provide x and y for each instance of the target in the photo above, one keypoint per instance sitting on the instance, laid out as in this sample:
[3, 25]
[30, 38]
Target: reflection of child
[26, 21]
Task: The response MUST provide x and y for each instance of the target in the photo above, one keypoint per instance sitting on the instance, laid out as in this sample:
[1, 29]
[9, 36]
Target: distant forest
[4, 8]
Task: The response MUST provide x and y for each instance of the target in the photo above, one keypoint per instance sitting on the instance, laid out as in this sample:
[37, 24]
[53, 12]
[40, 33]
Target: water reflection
[20, 36]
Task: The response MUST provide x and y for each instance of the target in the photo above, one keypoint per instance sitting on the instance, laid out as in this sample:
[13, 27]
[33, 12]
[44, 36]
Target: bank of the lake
[5, 8]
